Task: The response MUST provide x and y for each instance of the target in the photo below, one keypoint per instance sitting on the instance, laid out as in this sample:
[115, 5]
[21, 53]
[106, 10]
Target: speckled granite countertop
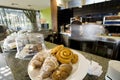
[19, 67]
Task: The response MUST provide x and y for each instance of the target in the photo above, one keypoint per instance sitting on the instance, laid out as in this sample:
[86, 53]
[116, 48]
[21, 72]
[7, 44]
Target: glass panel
[16, 20]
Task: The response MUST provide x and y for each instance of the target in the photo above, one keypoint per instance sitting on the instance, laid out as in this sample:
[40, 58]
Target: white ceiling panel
[34, 4]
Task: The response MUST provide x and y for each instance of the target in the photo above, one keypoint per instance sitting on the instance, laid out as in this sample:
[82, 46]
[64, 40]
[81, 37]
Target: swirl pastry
[64, 55]
[62, 72]
[74, 59]
[56, 49]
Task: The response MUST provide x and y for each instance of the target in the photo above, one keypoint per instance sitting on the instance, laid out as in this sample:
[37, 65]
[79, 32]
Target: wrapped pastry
[50, 64]
[56, 49]
[62, 72]
[64, 55]
[29, 44]
[31, 48]
[39, 47]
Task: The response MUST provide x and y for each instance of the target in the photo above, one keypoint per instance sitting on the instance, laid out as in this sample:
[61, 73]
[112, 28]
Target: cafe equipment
[112, 23]
[73, 19]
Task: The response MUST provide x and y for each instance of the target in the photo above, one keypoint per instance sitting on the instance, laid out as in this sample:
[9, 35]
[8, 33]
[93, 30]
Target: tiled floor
[5, 73]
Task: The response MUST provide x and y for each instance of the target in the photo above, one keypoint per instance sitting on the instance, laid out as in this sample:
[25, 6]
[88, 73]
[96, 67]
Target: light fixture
[30, 6]
[14, 4]
[59, 2]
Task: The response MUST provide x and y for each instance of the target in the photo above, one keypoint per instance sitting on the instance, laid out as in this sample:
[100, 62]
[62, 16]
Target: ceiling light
[14, 4]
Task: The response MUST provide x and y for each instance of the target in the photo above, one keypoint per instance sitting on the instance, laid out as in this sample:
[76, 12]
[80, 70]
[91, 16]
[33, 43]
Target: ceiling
[26, 4]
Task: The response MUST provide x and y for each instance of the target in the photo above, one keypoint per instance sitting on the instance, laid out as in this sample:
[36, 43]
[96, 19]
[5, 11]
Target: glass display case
[112, 23]
[111, 20]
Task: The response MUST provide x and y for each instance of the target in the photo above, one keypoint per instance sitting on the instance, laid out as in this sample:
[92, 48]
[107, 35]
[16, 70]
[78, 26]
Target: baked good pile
[55, 65]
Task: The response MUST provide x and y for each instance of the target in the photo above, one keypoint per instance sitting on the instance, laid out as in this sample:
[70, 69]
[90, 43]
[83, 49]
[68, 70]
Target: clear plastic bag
[29, 44]
[9, 42]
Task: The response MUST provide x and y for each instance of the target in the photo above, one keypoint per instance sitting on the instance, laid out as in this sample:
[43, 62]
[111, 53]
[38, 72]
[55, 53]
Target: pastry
[30, 49]
[64, 55]
[39, 47]
[56, 49]
[50, 64]
[36, 64]
[74, 59]
[38, 60]
[62, 72]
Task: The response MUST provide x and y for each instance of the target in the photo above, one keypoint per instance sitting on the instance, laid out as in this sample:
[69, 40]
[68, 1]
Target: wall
[46, 15]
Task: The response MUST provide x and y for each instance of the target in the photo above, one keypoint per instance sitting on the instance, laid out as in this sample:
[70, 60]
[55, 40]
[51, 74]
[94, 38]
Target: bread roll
[62, 72]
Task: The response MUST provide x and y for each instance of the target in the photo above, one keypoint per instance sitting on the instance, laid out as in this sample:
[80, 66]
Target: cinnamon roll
[64, 56]
[56, 49]
[74, 59]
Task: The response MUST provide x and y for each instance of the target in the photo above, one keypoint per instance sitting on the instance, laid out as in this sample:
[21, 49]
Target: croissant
[49, 65]
[62, 72]
[56, 49]
[38, 60]
[64, 55]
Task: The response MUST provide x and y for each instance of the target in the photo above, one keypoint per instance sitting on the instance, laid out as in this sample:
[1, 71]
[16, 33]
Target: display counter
[19, 67]
[106, 46]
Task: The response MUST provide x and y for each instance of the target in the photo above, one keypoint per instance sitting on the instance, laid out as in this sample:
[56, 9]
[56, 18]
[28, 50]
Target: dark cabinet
[105, 49]
[64, 17]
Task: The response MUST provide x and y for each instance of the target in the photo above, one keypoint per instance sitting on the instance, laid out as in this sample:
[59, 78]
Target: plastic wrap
[28, 44]
[9, 42]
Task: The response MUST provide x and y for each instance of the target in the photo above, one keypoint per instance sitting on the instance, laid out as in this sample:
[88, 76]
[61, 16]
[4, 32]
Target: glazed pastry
[74, 59]
[50, 64]
[64, 56]
[62, 72]
[56, 49]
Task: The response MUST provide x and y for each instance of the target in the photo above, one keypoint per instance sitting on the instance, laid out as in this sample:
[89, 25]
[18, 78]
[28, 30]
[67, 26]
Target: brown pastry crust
[50, 64]
[36, 64]
[62, 72]
[64, 56]
[39, 47]
[56, 49]
[74, 59]
[38, 60]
